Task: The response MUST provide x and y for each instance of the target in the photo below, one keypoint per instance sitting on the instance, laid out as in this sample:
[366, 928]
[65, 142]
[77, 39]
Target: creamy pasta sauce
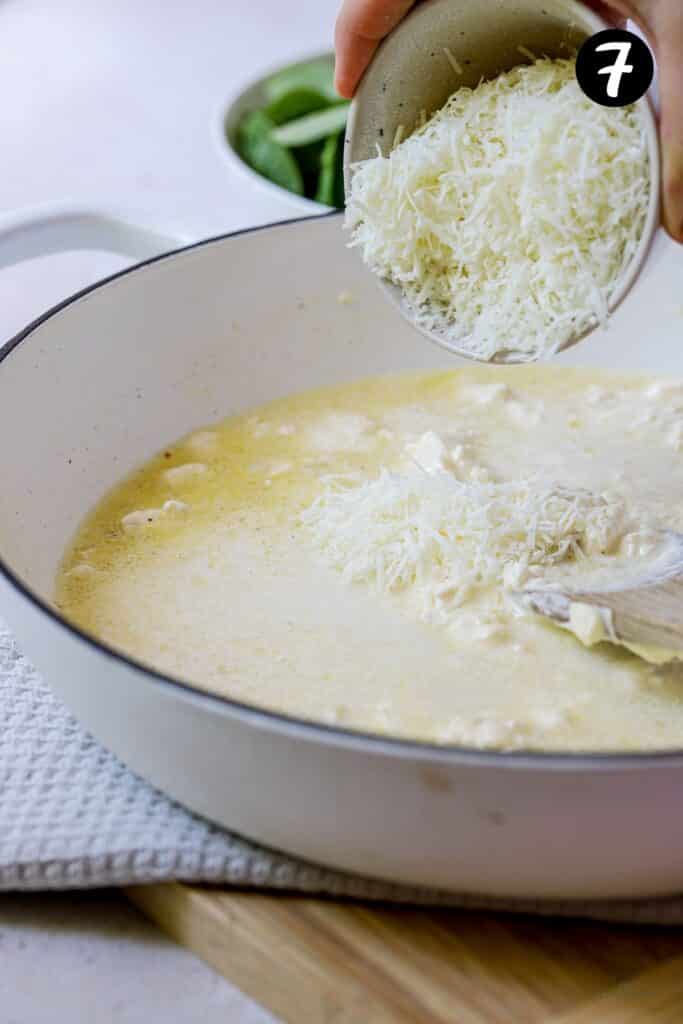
[205, 565]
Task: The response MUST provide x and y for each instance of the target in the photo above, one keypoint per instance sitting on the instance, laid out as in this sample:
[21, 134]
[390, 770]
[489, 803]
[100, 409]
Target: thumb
[669, 34]
[361, 26]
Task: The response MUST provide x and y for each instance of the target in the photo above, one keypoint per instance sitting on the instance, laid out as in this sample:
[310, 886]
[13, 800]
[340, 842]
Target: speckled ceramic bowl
[413, 71]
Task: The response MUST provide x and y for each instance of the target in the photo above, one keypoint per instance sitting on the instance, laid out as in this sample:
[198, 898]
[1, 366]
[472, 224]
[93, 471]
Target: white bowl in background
[252, 97]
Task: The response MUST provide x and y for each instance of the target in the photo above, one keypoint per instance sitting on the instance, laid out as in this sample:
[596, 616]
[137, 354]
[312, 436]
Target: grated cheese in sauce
[448, 538]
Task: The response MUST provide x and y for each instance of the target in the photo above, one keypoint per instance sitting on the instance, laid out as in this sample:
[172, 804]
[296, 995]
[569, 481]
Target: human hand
[362, 24]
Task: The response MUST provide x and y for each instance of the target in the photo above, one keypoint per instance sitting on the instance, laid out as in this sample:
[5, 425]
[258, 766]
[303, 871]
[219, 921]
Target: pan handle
[62, 227]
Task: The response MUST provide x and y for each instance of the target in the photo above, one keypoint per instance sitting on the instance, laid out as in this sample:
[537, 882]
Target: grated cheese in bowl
[508, 219]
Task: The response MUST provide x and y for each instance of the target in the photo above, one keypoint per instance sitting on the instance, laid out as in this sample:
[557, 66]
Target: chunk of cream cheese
[593, 625]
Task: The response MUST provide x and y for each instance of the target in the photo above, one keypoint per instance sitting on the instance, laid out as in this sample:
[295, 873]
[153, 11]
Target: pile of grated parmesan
[449, 538]
[508, 218]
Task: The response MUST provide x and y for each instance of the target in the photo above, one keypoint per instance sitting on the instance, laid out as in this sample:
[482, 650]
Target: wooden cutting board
[315, 961]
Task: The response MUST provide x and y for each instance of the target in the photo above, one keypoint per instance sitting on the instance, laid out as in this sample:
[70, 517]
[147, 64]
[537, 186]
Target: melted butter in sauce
[212, 579]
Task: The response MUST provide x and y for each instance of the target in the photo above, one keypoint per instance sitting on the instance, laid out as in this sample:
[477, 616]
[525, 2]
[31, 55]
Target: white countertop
[90, 958]
[113, 103]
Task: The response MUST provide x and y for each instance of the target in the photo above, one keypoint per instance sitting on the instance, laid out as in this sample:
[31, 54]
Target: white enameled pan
[102, 381]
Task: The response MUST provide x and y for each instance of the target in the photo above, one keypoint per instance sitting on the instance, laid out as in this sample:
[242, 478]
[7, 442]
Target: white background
[114, 103]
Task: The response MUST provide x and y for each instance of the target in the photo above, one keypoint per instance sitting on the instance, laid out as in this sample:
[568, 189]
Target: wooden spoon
[643, 611]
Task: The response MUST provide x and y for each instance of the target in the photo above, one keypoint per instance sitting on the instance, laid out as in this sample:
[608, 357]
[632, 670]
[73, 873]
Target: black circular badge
[614, 67]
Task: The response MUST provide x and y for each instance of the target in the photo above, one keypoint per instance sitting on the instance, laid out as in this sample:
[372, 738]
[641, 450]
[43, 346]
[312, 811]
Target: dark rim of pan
[379, 742]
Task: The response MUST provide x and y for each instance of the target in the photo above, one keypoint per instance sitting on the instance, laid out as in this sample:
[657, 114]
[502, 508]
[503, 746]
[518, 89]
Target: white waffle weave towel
[73, 816]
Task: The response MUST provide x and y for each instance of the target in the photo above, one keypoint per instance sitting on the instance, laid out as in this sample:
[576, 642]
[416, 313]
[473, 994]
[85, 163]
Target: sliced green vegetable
[315, 74]
[295, 103]
[308, 159]
[257, 147]
[328, 170]
[312, 127]
[296, 139]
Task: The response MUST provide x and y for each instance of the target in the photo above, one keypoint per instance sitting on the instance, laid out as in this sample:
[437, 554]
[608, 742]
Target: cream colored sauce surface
[199, 563]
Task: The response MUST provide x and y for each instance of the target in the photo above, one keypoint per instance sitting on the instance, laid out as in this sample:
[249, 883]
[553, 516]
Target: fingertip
[353, 58]
[669, 31]
[345, 47]
[672, 198]
[343, 84]
[673, 223]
